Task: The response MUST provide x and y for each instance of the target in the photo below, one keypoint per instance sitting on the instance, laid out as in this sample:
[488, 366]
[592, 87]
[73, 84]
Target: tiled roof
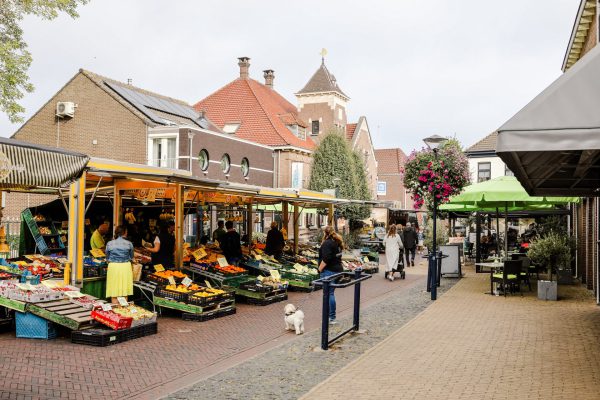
[262, 112]
[488, 143]
[350, 128]
[390, 161]
[104, 83]
[322, 81]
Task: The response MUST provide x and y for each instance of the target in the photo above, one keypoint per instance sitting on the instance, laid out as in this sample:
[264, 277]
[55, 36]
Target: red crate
[111, 319]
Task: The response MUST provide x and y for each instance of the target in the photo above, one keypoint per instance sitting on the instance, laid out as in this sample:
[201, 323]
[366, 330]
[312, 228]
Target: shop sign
[381, 188]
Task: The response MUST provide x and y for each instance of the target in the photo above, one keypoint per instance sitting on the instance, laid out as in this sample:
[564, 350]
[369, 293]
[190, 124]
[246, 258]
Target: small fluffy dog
[294, 319]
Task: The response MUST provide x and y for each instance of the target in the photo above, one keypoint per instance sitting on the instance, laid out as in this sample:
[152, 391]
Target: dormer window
[298, 131]
[231, 127]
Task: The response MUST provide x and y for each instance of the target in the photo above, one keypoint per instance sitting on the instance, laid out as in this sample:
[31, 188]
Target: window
[301, 220]
[315, 127]
[484, 171]
[203, 159]
[225, 163]
[297, 175]
[245, 166]
[164, 152]
[507, 171]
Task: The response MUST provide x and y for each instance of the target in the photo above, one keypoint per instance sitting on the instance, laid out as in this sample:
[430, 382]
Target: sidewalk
[468, 345]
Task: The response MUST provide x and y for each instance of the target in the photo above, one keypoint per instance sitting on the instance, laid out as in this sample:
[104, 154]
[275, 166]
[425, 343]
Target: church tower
[322, 104]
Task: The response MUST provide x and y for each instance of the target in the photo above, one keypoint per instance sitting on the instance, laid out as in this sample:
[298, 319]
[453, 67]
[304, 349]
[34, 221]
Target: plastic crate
[111, 319]
[96, 337]
[204, 301]
[31, 326]
[158, 279]
[169, 294]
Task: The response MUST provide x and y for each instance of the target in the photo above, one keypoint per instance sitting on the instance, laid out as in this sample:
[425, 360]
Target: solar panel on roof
[144, 103]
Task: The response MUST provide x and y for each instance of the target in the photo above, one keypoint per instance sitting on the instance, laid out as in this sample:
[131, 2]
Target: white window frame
[152, 137]
[299, 166]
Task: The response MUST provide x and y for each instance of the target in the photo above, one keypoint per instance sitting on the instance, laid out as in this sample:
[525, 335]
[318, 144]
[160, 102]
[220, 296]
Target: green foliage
[552, 223]
[553, 251]
[334, 159]
[441, 237]
[15, 59]
[427, 177]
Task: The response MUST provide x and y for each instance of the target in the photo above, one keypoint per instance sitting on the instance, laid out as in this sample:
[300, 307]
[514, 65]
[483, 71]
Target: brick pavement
[181, 353]
[469, 345]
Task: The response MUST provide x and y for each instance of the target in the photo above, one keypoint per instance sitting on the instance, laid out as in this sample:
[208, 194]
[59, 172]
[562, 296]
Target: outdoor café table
[493, 266]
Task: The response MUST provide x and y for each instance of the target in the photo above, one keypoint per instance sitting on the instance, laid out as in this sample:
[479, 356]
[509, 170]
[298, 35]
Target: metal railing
[327, 283]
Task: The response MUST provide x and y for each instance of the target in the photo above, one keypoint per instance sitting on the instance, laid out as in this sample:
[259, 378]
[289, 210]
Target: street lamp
[434, 142]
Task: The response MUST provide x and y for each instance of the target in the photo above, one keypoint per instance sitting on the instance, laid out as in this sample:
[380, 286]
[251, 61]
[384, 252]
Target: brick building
[391, 190]
[115, 120]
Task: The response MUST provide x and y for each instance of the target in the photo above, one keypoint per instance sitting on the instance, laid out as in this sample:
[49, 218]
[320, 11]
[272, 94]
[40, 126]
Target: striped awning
[24, 166]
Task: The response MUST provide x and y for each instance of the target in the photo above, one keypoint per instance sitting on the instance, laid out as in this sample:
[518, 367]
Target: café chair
[509, 277]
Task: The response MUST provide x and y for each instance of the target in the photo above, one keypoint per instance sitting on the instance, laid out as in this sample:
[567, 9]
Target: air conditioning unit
[65, 109]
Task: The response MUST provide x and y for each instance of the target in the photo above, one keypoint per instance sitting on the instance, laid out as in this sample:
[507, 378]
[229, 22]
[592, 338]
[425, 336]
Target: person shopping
[119, 277]
[163, 250]
[330, 263]
[393, 244]
[409, 240]
[275, 242]
[231, 245]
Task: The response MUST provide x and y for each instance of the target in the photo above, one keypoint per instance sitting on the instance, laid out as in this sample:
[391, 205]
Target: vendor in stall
[275, 242]
[97, 240]
[231, 245]
[219, 232]
[119, 276]
[163, 250]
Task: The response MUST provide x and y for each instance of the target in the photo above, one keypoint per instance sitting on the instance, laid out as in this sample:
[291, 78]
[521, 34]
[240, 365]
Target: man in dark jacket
[231, 245]
[409, 239]
[275, 243]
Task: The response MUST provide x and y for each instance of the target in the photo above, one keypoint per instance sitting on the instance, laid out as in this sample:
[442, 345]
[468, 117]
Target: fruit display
[111, 319]
[167, 273]
[141, 256]
[208, 292]
[44, 230]
[274, 282]
[229, 270]
[27, 292]
[180, 288]
[139, 315]
[7, 275]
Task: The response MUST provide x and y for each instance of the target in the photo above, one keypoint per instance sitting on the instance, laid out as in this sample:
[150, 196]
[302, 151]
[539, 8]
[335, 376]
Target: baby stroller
[400, 267]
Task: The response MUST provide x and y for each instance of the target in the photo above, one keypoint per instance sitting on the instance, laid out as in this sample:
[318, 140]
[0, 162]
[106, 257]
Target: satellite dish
[379, 232]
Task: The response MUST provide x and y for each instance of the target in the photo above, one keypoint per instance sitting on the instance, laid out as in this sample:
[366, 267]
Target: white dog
[294, 319]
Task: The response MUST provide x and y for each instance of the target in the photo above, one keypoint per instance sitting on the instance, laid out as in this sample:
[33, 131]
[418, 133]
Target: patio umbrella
[504, 192]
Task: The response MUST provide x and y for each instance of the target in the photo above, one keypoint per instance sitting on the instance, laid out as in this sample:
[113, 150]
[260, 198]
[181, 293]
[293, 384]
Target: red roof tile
[262, 112]
[350, 128]
[389, 161]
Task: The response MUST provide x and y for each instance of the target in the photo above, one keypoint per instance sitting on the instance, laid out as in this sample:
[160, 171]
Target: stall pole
[285, 216]
[76, 223]
[296, 229]
[250, 223]
[179, 197]
[330, 212]
[117, 204]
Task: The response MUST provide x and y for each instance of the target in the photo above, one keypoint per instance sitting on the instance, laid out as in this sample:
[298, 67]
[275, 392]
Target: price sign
[199, 254]
[122, 301]
[222, 262]
[97, 253]
[159, 268]
[186, 282]
[106, 307]
[208, 285]
[275, 274]
[172, 281]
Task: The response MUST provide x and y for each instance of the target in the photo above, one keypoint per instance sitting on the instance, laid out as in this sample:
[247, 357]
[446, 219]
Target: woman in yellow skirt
[119, 278]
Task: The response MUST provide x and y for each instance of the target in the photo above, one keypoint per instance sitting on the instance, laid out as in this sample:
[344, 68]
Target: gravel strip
[292, 369]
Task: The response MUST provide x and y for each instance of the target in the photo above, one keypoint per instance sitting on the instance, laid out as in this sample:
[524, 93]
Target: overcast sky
[412, 67]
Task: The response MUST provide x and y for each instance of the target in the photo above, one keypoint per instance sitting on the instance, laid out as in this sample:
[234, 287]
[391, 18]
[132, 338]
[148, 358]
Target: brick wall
[285, 168]
[581, 254]
[363, 143]
[120, 135]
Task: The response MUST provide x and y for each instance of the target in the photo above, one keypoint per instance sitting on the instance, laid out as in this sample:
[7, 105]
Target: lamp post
[433, 142]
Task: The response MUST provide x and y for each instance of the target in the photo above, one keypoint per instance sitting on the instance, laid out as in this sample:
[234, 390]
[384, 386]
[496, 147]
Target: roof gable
[322, 81]
[263, 113]
[390, 161]
[350, 128]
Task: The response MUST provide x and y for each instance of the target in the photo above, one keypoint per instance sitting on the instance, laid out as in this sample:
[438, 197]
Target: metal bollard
[325, 316]
[356, 317]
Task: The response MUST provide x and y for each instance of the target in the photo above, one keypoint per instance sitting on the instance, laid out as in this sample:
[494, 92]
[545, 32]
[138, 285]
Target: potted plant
[554, 252]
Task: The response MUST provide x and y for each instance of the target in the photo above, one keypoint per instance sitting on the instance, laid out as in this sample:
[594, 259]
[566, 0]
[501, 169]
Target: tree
[425, 177]
[15, 59]
[335, 164]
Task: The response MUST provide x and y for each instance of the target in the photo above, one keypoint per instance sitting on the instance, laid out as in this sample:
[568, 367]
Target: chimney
[244, 64]
[201, 113]
[269, 75]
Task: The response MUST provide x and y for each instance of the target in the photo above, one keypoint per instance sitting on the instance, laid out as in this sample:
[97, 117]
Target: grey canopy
[553, 144]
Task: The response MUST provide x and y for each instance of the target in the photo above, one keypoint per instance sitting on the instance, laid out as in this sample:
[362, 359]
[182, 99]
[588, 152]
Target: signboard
[381, 188]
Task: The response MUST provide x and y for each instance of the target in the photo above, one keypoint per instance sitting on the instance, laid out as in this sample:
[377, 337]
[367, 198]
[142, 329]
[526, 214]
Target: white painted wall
[497, 167]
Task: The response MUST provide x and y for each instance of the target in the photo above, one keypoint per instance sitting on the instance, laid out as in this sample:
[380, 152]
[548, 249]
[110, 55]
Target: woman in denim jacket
[119, 278]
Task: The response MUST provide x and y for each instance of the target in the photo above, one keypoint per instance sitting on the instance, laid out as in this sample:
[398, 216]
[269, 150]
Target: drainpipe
[190, 137]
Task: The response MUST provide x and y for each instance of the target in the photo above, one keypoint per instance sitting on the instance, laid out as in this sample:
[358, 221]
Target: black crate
[169, 294]
[157, 279]
[96, 337]
[253, 287]
[204, 301]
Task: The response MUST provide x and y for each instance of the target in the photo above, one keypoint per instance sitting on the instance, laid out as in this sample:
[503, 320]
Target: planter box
[547, 290]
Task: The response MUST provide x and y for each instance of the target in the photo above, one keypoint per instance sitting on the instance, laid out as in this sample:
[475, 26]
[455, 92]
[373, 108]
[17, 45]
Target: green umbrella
[505, 192]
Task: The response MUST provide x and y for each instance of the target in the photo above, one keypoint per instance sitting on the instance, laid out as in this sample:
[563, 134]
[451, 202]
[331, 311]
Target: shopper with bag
[330, 263]
[393, 244]
[119, 277]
